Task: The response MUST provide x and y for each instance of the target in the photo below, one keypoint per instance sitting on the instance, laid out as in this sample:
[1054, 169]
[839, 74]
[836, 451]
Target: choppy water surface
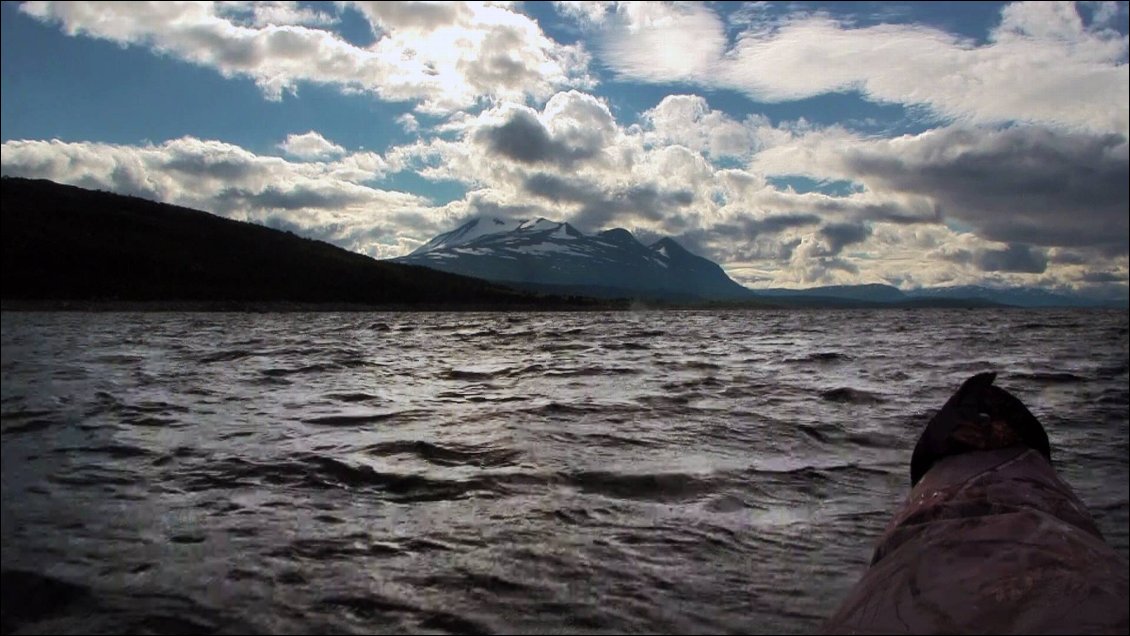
[590, 472]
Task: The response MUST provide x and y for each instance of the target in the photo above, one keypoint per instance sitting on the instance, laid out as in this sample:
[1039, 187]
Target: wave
[823, 356]
[653, 466]
[593, 370]
[646, 333]
[447, 455]
[661, 487]
[27, 423]
[558, 409]
[281, 372]
[319, 472]
[390, 613]
[812, 432]
[473, 374]
[228, 356]
[563, 346]
[626, 346]
[1113, 370]
[1050, 377]
[351, 397]
[357, 419]
[847, 395]
[115, 451]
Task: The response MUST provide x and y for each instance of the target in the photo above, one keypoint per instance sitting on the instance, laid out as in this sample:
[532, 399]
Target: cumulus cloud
[310, 145]
[840, 235]
[1022, 184]
[1104, 277]
[689, 121]
[912, 215]
[572, 161]
[443, 56]
[587, 12]
[409, 123]
[1014, 258]
[661, 42]
[413, 16]
[277, 13]
[524, 137]
[1018, 185]
[600, 209]
[1038, 60]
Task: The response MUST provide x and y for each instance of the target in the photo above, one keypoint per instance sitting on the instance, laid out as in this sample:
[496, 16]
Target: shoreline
[282, 306]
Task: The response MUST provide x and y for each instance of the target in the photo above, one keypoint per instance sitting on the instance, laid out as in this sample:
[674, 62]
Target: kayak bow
[990, 539]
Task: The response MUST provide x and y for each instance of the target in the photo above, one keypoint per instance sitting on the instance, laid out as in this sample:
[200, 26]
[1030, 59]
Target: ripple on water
[476, 472]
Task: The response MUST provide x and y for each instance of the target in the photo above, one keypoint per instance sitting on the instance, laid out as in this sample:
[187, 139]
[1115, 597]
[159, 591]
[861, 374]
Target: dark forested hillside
[67, 243]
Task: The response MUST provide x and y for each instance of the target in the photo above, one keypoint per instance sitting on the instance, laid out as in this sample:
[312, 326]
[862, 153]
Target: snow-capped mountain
[557, 257]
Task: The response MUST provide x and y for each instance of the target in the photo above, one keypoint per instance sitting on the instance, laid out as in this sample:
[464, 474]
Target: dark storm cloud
[482, 207]
[961, 257]
[647, 201]
[747, 238]
[1103, 277]
[297, 198]
[726, 241]
[496, 64]
[774, 224]
[523, 138]
[559, 190]
[1021, 185]
[1014, 258]
[1065, 257]
[818, 270]
[420, 15]
[601, 210]
[202, 165]
[840, 235]
[891, 213]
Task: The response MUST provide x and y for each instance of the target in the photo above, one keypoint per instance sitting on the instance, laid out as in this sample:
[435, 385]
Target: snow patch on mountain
[544, 252]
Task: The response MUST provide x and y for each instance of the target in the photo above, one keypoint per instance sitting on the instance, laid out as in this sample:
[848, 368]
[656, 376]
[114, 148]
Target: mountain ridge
[62, 242]
[972, 294]
[65, 243]
[551, 253]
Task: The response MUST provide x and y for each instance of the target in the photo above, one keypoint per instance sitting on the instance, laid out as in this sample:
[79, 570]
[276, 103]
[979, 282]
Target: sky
[797, 144]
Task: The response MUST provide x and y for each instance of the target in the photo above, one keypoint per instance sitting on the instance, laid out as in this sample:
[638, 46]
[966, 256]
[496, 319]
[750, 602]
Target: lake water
[447, 472]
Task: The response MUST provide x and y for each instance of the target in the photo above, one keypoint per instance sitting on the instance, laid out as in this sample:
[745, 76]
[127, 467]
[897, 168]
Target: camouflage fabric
[990, 541]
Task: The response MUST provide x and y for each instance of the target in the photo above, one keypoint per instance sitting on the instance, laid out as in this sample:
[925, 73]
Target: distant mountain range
[62, 243]
[551, 256]
[966, 295]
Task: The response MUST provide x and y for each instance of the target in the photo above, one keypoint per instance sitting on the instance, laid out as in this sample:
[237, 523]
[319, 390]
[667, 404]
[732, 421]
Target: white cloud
[662, 42]
[660, 177]
[310, 145]
[445, 57]
[1030, 184]
[687, 120]
[260, 13]
[571, 160]
[587, 12]
[1042, 65]
[408, 122]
